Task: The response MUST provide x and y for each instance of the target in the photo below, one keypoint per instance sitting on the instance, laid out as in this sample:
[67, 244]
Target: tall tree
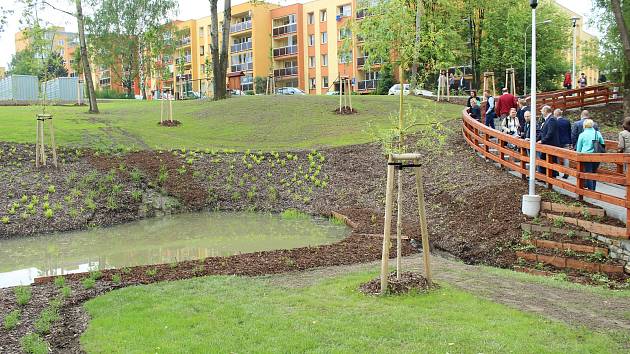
[54, 67]
[621, 14]
[220, 55]
[120, 31]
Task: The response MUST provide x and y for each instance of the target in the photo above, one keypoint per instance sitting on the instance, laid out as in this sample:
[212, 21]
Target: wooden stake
[399, 227]
[170, 107]
[162, 105]
[52, 142]
[350, 94]
[423, 223]
[37, 152]
[387, 228]
[41, 142]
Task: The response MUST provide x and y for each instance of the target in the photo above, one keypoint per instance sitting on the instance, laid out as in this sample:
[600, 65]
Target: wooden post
[424, 229]
[350, 94]
[387, 227]
[399, 226]
[627, 163]
[37, 152]
[170, 107]
[52, 142]
[340, 92]
[162, 104]
[42, 151]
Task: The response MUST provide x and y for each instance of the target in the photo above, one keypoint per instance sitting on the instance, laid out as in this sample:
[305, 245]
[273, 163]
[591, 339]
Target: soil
[408, 282]
[346, 110]
[552, 236]
[170, 123]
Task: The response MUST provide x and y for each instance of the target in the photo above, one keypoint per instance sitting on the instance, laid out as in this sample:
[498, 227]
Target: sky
[188, 9]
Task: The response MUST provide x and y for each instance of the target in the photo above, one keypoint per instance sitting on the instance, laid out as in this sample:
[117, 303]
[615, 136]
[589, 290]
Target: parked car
[237, 93]
[332, 93]
[289, 91]
[395, 90]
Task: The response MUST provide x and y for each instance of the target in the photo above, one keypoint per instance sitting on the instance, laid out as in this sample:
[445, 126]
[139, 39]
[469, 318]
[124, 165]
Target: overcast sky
[188, 9]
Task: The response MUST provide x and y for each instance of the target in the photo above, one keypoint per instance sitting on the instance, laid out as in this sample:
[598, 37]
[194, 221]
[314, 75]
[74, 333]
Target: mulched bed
[611, 281]
[346, 110]
[170, 123]
[408, 282]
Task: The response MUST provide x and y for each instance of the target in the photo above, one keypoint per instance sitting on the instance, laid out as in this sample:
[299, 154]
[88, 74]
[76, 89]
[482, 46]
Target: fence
[578, 98]
[512, 152]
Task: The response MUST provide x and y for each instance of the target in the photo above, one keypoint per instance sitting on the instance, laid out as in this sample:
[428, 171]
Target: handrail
[497, 146]
[579, 98]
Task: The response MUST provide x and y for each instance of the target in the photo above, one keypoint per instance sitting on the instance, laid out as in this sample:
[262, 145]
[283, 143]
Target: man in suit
[520, 113]
[548, 135]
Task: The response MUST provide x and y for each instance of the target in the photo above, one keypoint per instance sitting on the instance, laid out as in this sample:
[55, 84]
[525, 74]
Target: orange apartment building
[62, 42]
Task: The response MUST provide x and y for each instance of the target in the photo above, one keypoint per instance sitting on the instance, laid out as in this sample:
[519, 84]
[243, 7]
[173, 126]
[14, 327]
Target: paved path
[576, 306]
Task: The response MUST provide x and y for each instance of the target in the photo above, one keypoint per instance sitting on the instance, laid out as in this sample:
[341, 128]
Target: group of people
[513, 116]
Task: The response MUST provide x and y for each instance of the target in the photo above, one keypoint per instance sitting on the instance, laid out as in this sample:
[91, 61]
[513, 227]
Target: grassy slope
[232, 314]
[260, 122]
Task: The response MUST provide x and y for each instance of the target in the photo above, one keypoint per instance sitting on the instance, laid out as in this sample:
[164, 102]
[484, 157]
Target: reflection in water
[153, 241]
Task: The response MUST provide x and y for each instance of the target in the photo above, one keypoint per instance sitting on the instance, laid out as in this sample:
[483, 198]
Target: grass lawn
[257, 122]
[244, 315]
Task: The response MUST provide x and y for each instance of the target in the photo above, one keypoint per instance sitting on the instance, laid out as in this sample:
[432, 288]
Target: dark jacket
[564, 131]
[549, 132]
[470, 98]
[475, 112]
[521, 116]
[577, 129]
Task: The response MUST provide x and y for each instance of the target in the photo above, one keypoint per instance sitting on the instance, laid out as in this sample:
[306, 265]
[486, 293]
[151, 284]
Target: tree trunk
[416, 52]
[87, 71]
[141, 73]
[625, 42]
[219, 55]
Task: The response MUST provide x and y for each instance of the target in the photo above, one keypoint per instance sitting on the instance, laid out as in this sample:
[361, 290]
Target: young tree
[54, 67]
[220, 55]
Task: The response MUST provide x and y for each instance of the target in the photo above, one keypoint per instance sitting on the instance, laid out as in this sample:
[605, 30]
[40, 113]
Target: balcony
[292, 71]
[286, 29]
[282, 51]
[184, 42]
[241, 26]
[242, 67]
[361, 61]
[366, 85]
[187, 59]
[240, 47]
[361, 13]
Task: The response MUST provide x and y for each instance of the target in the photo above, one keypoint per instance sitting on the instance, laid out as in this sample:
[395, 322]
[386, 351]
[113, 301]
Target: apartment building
[582, 38]
[62, 42]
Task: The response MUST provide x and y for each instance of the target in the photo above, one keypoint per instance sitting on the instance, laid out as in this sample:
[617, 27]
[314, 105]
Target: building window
[344, 33]
[345, 57]
[203, 68]
[61, 42]
[201, 32]
[324, 59]
[311, 40]
[322, 16]
[324, 37]
[61, 52]
[344, 10]
[310, 18]
[324, 81]
[311, 62]
[202, 50]
[312, 83]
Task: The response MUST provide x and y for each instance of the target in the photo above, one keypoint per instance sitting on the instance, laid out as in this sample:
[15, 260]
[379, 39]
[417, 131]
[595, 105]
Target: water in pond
[159, 240]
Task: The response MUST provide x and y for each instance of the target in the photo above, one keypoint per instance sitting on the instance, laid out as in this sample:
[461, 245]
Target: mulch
[346, 110]
[170, 123]
[408, 282]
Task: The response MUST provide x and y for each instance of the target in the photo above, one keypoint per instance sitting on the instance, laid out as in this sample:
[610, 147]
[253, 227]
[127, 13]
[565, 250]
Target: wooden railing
[512, 152]
[579, 98]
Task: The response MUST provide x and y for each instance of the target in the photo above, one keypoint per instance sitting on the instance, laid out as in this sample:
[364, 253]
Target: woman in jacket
[624, 137]
[586, 144]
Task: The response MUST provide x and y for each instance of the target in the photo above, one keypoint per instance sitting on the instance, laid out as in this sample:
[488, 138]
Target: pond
[159, 240]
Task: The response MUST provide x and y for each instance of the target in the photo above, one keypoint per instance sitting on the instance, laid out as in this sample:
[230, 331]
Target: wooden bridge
[512, 153]
[580, 98]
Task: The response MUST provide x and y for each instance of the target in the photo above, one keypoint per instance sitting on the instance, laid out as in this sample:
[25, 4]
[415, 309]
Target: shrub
[151, 272]
[34, 344]
[88, 283]
[51, 189]
[11, 320]
[116, 278]
[293, 214]
[66, 291]
[47, 317]
[111, 94]
[48, 213]
[60, 282]
[5, 220]
[22, 295]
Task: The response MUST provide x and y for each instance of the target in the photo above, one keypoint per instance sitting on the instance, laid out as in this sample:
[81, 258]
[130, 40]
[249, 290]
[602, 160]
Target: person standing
[490, 112]
[520, 113]
[577, 127]
[586, 144]
[564, 134]
[582, 81]
[451, 82]
[548, 136]
[624, 137]
[568, 84]
[473, 96]
[475, 110]
[506, 102]
[510, 124]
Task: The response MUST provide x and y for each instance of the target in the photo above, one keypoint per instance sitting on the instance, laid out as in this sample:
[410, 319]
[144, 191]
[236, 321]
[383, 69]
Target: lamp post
[525, 61]
[574, 78]
[531, 201]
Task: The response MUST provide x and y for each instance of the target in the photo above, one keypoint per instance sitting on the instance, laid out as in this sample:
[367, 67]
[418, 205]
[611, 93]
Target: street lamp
[531, 201]
[525, 61]
[574, 78]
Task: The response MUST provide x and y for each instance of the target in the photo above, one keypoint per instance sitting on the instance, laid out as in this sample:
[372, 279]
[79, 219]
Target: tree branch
[58, 9]
[621, 25]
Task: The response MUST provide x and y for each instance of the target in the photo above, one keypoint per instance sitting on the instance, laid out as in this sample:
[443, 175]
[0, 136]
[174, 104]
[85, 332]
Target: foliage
[609, 57]
[32, 343]
[11, 320]
[260, 84]
[25, 63]
[386, 81]
[54, 67]
[110, 94]
[293, 214]
[22, 295]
